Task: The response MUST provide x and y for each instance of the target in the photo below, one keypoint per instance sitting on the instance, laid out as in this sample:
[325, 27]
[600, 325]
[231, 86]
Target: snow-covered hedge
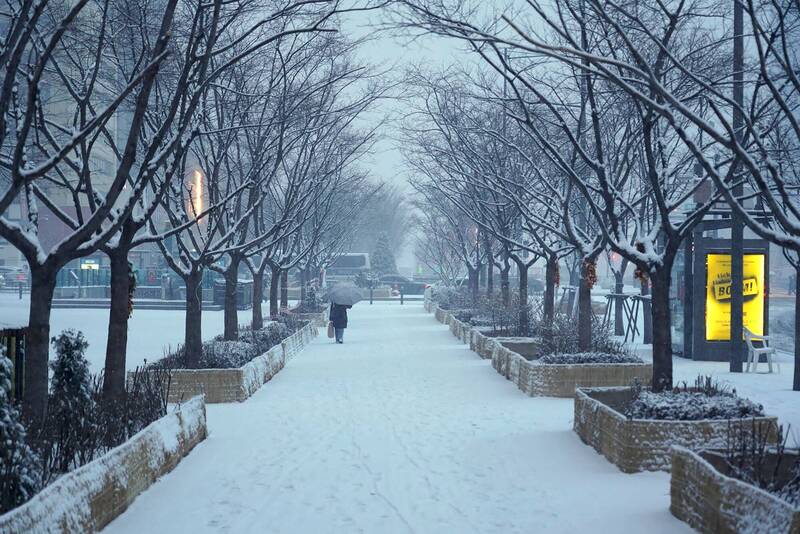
[227, 354]
[705, 399]
[87, 499]
[588, 357]
[237, 384]
[691, 406]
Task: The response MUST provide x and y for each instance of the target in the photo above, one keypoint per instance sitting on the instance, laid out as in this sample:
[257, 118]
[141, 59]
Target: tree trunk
[285, 289]
[231, 313]
[258, 296]
[472, 274]
[647, 314]
[116, 347]
[662, 336]
[193, 339]
[619, 287]
[274, 286]
[574, 281]
[584, 310]
[796, 385]
[550, 290]
[505, 285]
[522, 267]
[37, 345]
[490, 279]
[303, 293]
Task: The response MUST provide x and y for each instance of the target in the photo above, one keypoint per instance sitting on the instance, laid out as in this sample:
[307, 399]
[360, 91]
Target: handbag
[331, 332]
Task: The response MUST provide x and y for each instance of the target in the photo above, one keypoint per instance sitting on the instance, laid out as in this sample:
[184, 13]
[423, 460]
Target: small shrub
[452, 298]
[226, 354]
[705, 400]
[221, 354]
[80, 424]
[20, 466]
[588, 357]
[751, 458]
[71, 411]
[562, 337]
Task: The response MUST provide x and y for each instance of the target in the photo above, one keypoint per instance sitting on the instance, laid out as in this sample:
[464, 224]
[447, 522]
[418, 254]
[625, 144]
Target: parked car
[403, 284]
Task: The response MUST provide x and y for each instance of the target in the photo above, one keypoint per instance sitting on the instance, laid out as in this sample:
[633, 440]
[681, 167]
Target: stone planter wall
[236, 385]
[482, 344]
[526, 347]
[636, 445]
[89, 498]
[702, 495]
[443, 316]
[427, 300]
[459, 329]
[560, 380]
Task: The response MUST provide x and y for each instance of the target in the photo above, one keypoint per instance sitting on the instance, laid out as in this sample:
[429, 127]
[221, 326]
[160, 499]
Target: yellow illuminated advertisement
[718, 295]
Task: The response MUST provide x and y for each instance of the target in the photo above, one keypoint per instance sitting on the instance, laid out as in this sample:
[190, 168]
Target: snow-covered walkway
[401, 429]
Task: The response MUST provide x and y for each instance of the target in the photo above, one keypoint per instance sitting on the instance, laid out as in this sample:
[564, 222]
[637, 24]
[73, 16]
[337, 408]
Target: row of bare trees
[598, 122]
[222, 132]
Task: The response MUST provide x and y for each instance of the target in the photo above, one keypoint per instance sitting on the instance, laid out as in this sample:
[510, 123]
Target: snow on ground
[150, 332]
[401, 429]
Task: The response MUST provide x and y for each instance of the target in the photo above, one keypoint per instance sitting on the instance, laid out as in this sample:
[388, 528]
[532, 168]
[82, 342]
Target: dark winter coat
[339, 315]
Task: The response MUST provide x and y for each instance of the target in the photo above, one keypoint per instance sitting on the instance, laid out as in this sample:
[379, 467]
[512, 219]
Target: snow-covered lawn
[150, 332]
[401, 429]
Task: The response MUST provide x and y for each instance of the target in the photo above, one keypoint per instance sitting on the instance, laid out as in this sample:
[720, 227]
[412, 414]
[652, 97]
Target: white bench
[754, 353]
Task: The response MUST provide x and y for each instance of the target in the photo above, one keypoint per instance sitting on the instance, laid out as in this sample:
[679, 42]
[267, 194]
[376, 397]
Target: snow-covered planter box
[236, 385]
[527, 347]
[443, 316]
[507, 362]
[459, 329]
[704, 496]
[89, 498]
[428, 302]
[482, 344]
[636, 445]
[561, 380]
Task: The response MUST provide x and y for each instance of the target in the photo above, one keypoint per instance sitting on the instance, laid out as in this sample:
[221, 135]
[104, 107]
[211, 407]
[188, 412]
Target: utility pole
[737, 227]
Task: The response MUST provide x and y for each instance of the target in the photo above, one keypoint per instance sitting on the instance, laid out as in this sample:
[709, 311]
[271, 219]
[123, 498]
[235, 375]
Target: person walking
[338, 316]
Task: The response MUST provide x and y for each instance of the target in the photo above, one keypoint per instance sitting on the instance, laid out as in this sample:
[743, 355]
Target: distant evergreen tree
[383, 257]
[19, 465]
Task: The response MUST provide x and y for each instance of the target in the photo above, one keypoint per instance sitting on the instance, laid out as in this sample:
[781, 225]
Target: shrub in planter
[705, 400]
[562, 337]
[752, 485]
[80, 424]
[640, 444]
[588, 358]
[452, 298]
[20, 476]
[227, 354]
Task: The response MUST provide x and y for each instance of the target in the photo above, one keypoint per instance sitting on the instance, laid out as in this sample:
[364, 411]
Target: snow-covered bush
[227, 354]
[501, 317]
[71, 411]
[452, 298]
[563, 337]
[589, 357]
[753, 458]
[312, 303]
[705, 400]
[20, 466]
[221, 354]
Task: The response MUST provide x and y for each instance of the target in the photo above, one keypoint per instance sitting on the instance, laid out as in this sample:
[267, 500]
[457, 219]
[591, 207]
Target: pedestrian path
[401, 429]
